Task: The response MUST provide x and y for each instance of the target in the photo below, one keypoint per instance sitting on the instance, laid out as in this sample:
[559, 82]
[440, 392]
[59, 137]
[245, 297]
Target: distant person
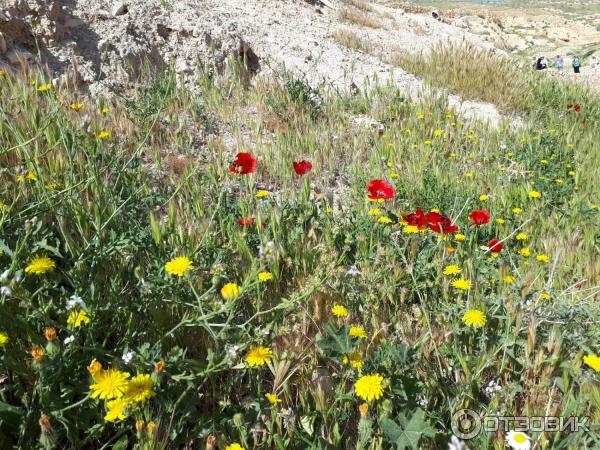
[559, 62]
[541, 63]
[576, 64]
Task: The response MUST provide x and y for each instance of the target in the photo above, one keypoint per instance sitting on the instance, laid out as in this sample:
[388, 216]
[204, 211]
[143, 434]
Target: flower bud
[50, 334]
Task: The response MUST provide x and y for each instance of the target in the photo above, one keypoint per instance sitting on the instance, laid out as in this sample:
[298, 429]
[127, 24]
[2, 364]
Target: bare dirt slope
[101, 44]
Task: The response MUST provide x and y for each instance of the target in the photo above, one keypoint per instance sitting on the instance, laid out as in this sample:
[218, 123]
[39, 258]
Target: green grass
[111, 212]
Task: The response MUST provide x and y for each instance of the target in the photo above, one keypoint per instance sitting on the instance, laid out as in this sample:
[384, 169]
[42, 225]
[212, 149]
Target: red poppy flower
[244, 163]
[380, 189]
[302, 167]
[446, 226]
[440, 224]
[495, 246]
[480, 217]
[434, 217]
[246, 222]
[575, 107]
[416, 219]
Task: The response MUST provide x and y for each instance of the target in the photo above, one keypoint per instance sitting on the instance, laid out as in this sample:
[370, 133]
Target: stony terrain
[100, 45]
[528, 29]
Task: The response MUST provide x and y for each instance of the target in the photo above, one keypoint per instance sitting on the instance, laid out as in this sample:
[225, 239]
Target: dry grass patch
[359, 18]
[471, 72]
[350, 39]
[359, 4]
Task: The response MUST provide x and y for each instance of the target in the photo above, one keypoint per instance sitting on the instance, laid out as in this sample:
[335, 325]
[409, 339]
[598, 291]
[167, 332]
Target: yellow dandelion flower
[109, 384]
[474, 318]
[525, 252]
[103, 134]
[262, 194]
[522, 237]
[534, 194]
[104, 110]
[339, 311]
[412, 229]
[545, 296]
[517, 210]
[354, 359]
[39, 265]
[31, 177]
[452, 269]
[76, 106]
[369, 387]
[459, 237]
[357, 331]
[592, 361]
[95, 369]
[329, 210]
[500, 221]
[542, 258]
[178, 266]
[265, 276]
[234, 446]
[273, 398]
[571, 173]
[374, 212]
[509, 279]
[116, 410]
[259, 356]
[139, 389]
[461, 283]
[384, 220]
[230, 291]
[483, 197]
[77, 318]
[3, 339]
[45, 87]
[469, 174]
[393, 174]
[427, 142]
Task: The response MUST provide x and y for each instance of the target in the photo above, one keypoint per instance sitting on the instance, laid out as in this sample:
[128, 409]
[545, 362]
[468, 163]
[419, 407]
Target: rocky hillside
[100, 45]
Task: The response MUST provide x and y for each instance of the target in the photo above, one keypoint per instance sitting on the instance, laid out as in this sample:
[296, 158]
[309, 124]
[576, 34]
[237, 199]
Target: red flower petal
[244, 163]
[480, 217]
[495, 246]
[302, 167]
[246, 222]
[380, 189]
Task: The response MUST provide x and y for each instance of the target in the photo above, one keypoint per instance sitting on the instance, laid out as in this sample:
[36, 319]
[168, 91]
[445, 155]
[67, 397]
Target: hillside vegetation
[281, 266]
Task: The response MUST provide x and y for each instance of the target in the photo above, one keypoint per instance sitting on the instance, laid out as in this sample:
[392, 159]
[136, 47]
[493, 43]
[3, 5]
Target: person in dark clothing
[576, 64]
[541, 63]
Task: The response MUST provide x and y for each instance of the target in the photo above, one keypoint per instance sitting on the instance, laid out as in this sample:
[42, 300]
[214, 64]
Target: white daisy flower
[75, 301]
[518, 440]
[68, 340]
[127, 357]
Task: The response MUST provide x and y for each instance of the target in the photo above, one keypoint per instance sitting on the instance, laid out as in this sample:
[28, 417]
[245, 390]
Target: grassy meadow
[171, 279]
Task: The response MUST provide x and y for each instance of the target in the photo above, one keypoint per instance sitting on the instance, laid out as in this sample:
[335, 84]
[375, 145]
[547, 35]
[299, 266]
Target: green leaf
[337, 341]
[409, 431]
